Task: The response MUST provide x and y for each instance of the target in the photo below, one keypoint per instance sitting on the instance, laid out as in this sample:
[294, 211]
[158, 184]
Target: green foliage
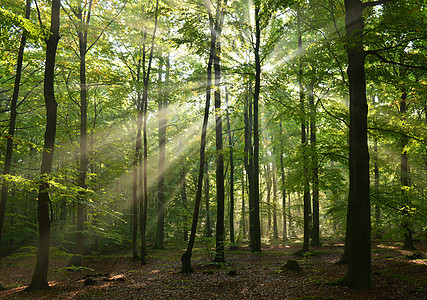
[9, 19]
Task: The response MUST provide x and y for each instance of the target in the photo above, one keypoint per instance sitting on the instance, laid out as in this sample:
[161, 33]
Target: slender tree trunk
[82, 34]
[404, 182]
[268, 171]
[145, 145]
[377, 191]
[186, 257]
[231, 145]
[256, 238]
[306, 183]
[315, 233]
[220, 189]
[12, 121]
[208, 216]
[243, 221]
[275, 229]
[39, 279]
[358, 214]
[161, 175]
[184, 204]
[136, 193]
[249, 165]
[282, 176]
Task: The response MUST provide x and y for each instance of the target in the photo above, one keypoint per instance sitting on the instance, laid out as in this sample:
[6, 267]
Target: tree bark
[404, 183]
[256, 238]
[305, 176]
[12, 121]
[231, 145]
[207, 197]
[282, 176]
[358, 214]
[136, 193]
[82, 34]
[145, 143]
[220, 189]
[186, 257]
[184, 203]
[275, 229]
[315, 232]
[161, 173]
[39, 279]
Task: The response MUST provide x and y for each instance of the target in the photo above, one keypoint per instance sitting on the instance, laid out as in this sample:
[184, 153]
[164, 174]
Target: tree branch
[393, 62]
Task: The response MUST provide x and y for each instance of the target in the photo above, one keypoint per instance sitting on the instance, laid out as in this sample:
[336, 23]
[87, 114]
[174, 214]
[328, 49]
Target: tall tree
[404, 180]
[315, 232]
[358, 237]
[218, 21]
[12, 120]
[231, 145]
[282, 177]
[256, 224]
[306, 181]
[39, 279]
[162, 156]
[146, 80]
[186, 257]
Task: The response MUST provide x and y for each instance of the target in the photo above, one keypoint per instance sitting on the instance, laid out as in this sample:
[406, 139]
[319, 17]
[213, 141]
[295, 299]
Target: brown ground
[257, 276]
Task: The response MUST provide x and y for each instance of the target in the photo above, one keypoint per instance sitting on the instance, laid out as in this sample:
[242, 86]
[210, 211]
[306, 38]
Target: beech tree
[39, 279]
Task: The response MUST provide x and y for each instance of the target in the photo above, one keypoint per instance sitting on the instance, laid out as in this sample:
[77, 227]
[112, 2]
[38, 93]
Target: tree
[255, 224]
[358, 212]
[39, 279]
[220, 189]
[146, 79]
[231, 145]
[186, 257]
[306, 179]
[12, 120]
[162, 156]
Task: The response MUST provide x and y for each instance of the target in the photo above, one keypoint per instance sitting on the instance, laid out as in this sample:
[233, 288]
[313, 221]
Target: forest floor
[397, 274]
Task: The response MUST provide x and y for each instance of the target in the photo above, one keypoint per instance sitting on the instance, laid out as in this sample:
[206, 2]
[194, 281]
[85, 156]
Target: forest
[197, 149]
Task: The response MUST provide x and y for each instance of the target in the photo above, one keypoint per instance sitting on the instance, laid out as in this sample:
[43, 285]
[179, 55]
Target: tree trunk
[186, 257]
[275, 229]
[136, 193]
[282, 176]
[358, 214]
[220, 189]
[377, 191]
[231, 145]
[12, 121]
[315, 232]
[256, 238]
[39, 279]
[404, 183]
[243, 221]
[161, 173]
[306, 183]
[268, 171]
[82, 34]
[184, 204]
[145, 145]
[208, 216]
